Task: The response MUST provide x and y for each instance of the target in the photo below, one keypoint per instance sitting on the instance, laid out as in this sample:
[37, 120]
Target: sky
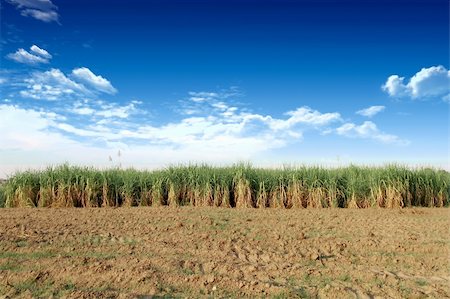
[148, 84]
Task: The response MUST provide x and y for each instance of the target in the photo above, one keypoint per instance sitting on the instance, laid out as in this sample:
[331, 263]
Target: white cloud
[105, 110]
[52, 85]
[446, 98]
[433, 81]
[225, 133]
[25, 129]
[44, 139]
[23, 56]
[198, 99]
[395, 87]
[204, 94]
[87, 77]
[117, 111]
[92, 129]
[45, 16]
[369, 130]
[83, 110]
[41, 52]
[302, 115]
[235, 127]
[44, 5]
[34, 143]
[77, 131]
[313, 117]
[428, 82]
[215, 103]
[43, 10]
[371, 111]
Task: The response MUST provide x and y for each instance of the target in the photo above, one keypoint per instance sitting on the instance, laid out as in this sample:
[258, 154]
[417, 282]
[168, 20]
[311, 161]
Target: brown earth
[214, 252]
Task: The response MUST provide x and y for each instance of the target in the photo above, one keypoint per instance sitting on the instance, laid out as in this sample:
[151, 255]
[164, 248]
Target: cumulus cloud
[395, 86]
[36, 56]
[428, 82]
[43, 10]
[370, 111]
[87, 77]
[369, 130]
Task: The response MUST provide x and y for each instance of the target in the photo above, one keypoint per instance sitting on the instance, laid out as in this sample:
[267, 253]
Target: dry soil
[214, 252]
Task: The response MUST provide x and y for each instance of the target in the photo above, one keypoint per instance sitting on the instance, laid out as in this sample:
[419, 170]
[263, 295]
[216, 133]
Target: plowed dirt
[214, 252]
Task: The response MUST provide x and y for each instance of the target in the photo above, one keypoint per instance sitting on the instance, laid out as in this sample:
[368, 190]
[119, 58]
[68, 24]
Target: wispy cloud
[43, 10]
[202, 96]
[218, 103]
[369, 130]
[371, 111]
[105, 110]
[37, 56]
[428, 82]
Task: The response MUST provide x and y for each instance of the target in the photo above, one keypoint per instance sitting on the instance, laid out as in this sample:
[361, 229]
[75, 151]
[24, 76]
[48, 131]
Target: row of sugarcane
[237, 186]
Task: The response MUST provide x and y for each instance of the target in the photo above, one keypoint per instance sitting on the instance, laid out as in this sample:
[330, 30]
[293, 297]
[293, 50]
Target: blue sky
[271, 82]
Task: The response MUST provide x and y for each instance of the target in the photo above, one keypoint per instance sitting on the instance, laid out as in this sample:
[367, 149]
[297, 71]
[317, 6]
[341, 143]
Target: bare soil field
[216, 253]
